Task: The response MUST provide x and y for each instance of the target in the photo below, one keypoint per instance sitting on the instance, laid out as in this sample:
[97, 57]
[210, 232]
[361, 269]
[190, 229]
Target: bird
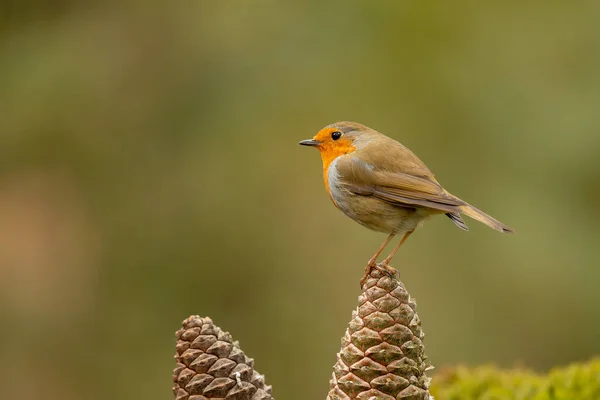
[382, 185]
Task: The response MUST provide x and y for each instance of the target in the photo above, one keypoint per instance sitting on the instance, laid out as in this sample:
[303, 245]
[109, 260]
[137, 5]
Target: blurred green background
[149, 169]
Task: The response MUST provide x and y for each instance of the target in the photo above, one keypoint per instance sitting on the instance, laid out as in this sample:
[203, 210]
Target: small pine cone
[382, 354]
[210, 365]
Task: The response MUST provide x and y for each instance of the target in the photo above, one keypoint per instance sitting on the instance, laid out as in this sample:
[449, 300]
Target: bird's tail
[480, 216]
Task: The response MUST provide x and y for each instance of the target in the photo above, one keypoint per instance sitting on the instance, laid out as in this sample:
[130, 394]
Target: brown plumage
[384, 186]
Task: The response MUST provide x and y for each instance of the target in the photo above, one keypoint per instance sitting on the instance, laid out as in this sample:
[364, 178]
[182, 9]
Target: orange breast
[329, 152]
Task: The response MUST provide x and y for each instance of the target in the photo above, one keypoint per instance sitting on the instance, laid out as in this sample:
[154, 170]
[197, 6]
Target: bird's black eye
[336, 135]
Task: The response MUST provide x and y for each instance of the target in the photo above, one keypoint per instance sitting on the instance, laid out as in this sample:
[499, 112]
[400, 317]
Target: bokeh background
[149, 169]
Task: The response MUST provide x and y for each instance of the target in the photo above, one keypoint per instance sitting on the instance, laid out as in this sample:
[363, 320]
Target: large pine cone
[210, 365]
[382, 354]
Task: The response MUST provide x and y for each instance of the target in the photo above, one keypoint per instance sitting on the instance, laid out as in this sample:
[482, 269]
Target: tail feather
[480, 216]
[458, 221]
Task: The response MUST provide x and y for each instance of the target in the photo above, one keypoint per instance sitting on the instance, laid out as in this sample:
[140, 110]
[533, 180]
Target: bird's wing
[395, 187]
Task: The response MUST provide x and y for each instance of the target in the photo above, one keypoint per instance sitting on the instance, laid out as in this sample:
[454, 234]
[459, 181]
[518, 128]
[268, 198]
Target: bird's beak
[310, 142]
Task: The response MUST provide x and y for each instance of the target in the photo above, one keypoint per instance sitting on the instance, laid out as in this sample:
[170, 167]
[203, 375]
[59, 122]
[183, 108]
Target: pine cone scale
[382, 354]
[210, 365]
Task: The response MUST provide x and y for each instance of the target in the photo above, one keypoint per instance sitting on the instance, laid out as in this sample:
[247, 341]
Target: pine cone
[382, 354]
[210, 365]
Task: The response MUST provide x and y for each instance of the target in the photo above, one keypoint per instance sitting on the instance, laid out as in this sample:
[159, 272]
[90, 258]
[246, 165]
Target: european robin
[384, 186]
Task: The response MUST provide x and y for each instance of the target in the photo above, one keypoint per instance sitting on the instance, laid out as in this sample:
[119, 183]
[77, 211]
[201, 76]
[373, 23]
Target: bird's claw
[370, 265]
[383, 268]
[388, 270]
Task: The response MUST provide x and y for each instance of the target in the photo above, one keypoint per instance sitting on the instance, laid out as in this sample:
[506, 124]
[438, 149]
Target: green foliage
[574, 382]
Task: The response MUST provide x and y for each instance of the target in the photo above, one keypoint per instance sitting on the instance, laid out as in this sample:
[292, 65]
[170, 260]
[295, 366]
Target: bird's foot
[388, 270]
[370, 265]
[383, 268]
[364, 280]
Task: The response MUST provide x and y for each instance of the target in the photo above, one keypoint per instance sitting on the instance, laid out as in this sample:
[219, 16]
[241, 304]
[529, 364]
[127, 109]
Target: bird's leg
[373, 261]
[387, 260]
